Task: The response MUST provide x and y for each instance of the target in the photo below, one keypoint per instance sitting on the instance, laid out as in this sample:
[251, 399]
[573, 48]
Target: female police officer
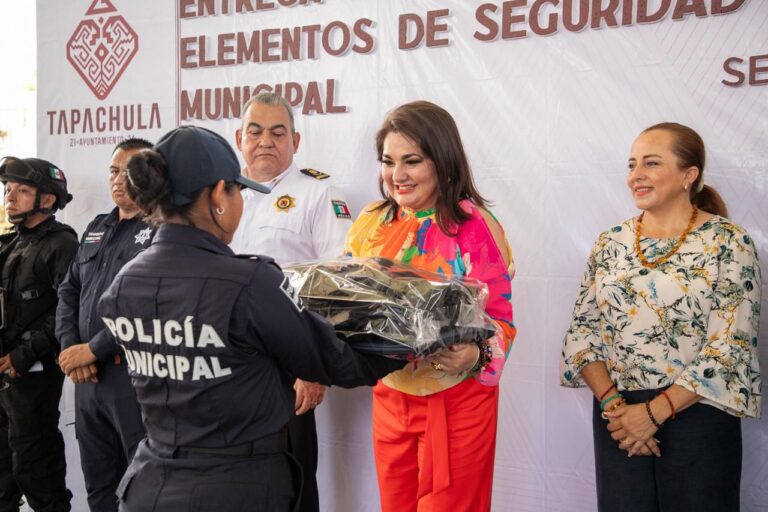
[210, 339]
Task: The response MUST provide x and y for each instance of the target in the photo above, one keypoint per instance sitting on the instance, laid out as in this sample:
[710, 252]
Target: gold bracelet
[615, 404]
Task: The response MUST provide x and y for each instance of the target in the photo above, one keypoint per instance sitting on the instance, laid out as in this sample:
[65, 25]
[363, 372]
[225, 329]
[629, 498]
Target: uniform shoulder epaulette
[315, 174]
[255, 257]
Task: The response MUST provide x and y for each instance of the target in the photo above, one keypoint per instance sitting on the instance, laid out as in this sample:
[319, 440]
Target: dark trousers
[159, 481]
[31, 447]
[302, 438]
[699, 469]
[109, 428]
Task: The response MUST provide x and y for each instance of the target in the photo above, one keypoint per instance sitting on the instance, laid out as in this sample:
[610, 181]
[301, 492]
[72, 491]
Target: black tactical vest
[29, 282]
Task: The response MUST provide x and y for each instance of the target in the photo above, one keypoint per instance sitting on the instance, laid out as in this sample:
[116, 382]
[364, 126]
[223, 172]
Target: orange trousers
[436, 452]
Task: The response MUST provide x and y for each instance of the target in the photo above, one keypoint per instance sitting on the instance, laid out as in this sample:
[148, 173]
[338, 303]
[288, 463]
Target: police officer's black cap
[39, 173]
[199, 158]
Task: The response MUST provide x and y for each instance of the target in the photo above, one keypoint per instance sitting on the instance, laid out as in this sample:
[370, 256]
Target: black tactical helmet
[43, 175]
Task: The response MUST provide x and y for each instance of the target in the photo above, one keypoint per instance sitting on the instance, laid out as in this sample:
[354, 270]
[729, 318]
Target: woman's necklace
[662, 259]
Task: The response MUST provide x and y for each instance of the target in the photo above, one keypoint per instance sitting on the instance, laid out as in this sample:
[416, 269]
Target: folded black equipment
[388, 308]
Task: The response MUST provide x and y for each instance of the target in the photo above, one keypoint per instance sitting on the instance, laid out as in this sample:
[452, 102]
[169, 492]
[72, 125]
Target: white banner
[548, 94]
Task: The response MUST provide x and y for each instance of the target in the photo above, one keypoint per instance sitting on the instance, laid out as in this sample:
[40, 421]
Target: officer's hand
[76, 356]
[84, 374]
[6, 366]
[308, 395]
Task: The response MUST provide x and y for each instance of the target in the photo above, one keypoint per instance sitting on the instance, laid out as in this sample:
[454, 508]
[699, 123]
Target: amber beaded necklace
[662, 259]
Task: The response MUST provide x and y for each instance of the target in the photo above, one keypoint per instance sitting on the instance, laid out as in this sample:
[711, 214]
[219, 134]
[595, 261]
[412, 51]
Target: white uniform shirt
[304, 218]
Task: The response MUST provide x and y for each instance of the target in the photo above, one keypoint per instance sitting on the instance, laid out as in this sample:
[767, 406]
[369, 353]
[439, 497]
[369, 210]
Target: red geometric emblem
[101, 47]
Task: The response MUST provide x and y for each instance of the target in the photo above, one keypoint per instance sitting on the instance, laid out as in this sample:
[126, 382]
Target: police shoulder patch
[292, 293]
[312, 173]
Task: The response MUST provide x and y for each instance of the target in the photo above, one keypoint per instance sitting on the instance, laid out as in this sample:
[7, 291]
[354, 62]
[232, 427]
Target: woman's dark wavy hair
[149, 186]
[688, 147]
[434, 131]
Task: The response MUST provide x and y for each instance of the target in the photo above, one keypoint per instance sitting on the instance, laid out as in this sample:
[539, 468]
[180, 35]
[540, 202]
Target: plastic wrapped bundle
[379, 306]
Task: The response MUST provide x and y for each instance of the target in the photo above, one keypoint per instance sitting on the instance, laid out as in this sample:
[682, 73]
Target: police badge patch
[285, 203]
[142, 236]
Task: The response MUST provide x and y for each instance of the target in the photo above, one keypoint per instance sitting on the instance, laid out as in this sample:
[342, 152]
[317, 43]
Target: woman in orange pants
[434, 422]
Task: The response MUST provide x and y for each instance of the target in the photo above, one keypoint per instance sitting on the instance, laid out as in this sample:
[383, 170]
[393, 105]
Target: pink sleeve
[484, 261]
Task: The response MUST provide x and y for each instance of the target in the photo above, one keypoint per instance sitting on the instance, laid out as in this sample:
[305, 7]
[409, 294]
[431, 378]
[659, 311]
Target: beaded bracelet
[483, 357]
[671, 405]
[650, 414]
[608, 400]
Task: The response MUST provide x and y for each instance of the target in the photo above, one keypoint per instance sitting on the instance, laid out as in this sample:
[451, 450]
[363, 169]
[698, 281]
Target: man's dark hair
[133, 143]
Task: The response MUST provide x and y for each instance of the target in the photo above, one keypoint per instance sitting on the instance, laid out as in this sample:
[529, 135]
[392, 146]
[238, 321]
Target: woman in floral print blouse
[664, 333]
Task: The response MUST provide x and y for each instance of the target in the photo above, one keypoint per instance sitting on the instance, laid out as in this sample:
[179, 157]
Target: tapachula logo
[101, 47]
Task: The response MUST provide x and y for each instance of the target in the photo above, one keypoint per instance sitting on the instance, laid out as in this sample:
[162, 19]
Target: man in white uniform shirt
[304, 218]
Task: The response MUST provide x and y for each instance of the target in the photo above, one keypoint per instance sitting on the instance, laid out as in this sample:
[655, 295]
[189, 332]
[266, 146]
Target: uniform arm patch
[292, 294]
[341, 209]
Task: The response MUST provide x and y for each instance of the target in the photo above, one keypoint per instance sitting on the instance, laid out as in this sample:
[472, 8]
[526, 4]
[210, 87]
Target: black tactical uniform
[211, 340]
[33, 261]
[107, 418]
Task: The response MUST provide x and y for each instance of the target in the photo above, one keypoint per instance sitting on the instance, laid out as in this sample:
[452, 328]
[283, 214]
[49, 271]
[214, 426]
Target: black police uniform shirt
[210, 339]
[107, 244]
[34, 261]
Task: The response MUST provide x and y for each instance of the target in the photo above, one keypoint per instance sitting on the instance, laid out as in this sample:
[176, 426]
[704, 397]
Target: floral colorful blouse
[479, 250]
[691, 321]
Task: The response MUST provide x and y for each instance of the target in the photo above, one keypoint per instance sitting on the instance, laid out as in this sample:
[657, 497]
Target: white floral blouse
[691, 321]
